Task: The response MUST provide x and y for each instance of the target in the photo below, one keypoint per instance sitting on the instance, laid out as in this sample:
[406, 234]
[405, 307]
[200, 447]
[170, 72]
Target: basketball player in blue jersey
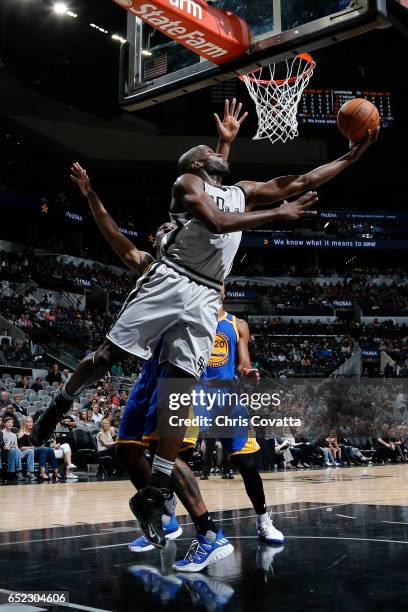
[230, 359]
[177, 299]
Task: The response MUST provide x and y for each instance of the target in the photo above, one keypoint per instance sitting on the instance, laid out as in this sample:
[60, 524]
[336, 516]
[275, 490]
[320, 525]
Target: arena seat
[85, 447]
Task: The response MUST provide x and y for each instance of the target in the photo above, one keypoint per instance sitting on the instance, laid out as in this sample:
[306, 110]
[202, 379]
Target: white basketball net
[277, 100]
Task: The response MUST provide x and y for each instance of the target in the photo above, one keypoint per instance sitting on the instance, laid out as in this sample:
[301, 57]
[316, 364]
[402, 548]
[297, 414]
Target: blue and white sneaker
[171, 531]
[267, 532]
[207, 592]
[162, 589]
[203, 552]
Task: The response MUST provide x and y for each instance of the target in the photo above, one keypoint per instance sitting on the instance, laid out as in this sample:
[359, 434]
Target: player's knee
[105, 356]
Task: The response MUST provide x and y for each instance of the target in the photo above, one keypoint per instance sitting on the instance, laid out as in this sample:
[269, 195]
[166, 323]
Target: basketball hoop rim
[305, 56]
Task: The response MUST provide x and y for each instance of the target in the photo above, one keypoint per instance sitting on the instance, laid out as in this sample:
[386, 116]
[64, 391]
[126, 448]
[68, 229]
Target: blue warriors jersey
[222, 361]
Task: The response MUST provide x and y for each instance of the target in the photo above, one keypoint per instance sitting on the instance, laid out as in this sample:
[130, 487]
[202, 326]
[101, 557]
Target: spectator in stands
[97, 414]
[42, 454]
[84, 421]
[10, 412]
[54, 375]
[116, 416]
[123, 397]
[4, 400]
[63, 451]
[334, 447]
[15, 455]
[71, 420]
[324, 448]
[65, 375]
[75, 412]
[17, 405]
[117, 370]
[23, 384]
[386, 449]
[37, 385]
[106, 439]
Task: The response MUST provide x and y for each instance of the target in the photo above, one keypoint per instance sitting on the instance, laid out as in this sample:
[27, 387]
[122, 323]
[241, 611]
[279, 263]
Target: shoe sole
[171, 536]
[265, 541]
[216, 555]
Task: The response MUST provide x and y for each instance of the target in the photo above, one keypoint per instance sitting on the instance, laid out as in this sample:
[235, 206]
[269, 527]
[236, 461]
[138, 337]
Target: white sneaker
[265, 556]
[267, 532]
[71, 466]
[71, 476]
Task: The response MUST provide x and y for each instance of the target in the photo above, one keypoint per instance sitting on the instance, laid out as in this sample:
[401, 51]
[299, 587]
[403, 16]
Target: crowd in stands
[308, 297]
[50, 273]
[299, 347]
[305, 356]
[97, 416]
[44, 324]
[343, 423]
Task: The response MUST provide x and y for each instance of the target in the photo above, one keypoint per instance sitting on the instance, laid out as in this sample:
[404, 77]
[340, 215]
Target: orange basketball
[356, 117]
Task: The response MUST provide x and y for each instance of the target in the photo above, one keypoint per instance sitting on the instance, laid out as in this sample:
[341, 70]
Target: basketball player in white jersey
[179, 296]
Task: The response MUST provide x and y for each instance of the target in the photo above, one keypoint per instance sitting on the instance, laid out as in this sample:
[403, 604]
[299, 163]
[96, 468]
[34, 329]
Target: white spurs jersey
[194, 250]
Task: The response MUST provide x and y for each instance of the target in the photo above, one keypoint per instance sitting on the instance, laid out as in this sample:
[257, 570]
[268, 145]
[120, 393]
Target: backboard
[155, 68]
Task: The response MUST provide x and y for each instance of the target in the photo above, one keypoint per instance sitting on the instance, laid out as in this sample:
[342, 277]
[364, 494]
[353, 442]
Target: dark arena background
[324, 298]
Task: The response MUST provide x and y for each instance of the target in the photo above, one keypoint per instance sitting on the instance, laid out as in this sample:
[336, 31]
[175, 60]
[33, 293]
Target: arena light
[60, 8]
[96, 27]
[146, 52]
[119, 38]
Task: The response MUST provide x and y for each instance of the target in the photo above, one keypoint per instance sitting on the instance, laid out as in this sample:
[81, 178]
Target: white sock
[170, 505]
[163, 466]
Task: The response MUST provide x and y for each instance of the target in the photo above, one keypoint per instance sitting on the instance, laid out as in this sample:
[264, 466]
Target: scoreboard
[320, 106]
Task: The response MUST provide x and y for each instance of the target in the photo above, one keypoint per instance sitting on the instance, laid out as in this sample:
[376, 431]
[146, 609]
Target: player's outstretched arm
[229, 127]
[189, 192]
[244, 367]
[125, 249]
[262, 194]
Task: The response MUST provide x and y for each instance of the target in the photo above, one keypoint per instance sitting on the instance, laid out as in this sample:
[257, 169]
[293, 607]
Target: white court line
[255, 537]
[340, 538]
[86, 535]
[394, 522]
[345, 516]
[223, 520]
[65, 605]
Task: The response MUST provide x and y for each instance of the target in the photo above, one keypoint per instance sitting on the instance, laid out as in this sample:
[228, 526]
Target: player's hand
[229, 127]
[357, 149]
[292, 211]
[251, 373]
[80, 177]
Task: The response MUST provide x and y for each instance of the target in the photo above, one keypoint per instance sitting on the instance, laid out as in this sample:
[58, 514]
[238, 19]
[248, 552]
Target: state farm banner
[216, 35]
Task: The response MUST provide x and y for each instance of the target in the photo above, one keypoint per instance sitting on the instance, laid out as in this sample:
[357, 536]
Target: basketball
[356, 117]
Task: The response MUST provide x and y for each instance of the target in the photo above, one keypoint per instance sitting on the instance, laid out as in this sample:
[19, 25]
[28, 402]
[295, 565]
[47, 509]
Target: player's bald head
[187, 160]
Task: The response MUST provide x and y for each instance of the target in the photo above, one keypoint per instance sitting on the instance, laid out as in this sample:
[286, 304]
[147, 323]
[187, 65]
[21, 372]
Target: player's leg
[246, 465]
[186, 347]
[169, 445]
[210, 544]
[148, 505]
[139, 425]
[90, 370]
